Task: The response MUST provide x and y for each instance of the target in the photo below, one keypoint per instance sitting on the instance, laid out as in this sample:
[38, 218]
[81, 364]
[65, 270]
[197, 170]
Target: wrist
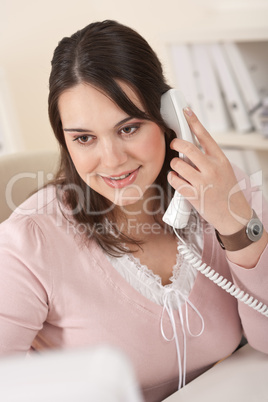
[245, 236]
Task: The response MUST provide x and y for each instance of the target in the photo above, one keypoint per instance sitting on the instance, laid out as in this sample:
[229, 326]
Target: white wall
[31, 29]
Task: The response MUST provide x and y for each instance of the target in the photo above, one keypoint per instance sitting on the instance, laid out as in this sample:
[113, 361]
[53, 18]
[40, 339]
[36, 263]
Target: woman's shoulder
[45, 220]
[38, 203]
[39, 210]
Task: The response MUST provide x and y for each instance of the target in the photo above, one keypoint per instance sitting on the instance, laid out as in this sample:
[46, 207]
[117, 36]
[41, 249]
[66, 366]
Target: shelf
[232, 139]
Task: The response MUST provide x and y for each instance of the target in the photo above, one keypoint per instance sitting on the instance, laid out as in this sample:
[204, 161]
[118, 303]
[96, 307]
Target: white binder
[186, 78]
[246, 85]
[229, 87]
[217, 119]
[242, 75]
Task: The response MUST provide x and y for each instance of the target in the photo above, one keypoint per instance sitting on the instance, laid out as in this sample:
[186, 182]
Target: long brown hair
[101, 54]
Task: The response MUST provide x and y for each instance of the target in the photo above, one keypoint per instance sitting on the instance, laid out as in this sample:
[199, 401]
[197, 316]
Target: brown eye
[84, 139]
[129, 130]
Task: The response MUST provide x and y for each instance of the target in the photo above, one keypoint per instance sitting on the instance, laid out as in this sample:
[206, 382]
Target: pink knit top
[55, 292]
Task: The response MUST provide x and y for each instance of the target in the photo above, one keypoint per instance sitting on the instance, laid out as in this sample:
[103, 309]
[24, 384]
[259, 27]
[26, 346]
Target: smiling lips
[125, 179]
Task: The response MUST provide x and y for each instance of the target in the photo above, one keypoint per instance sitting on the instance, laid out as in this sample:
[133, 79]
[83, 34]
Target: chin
[127, 197]
[126, 202]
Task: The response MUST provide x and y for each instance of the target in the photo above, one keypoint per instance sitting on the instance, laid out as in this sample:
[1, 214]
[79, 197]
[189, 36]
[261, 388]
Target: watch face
[254, 229]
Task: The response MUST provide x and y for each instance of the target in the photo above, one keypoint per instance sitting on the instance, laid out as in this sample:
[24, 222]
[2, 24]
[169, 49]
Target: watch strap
[236, 241]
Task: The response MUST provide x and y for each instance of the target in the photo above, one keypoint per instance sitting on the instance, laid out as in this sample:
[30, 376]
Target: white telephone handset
[172, 105]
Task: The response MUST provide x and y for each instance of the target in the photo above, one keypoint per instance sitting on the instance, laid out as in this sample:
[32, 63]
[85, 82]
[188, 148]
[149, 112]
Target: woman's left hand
[210, 185]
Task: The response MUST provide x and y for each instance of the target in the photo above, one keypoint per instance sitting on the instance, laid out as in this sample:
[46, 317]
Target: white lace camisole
[150, 285]
[171, 296]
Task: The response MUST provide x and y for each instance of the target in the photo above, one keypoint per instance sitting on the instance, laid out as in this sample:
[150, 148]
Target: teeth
[120, 177]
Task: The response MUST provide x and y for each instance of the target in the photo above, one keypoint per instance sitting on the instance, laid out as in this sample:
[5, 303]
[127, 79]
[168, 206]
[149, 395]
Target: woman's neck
[141, 219]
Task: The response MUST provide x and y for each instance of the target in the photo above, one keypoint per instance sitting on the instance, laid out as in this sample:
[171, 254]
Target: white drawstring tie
[175, 294]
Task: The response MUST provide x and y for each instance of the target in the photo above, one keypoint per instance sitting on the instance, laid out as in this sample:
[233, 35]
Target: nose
[113, 153]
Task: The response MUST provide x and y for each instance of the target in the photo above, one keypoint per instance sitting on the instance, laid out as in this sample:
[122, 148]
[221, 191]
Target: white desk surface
[100, 374]
[241, 377]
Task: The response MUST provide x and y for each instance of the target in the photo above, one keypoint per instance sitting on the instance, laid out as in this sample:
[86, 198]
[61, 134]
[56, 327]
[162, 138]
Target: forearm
[235, 219]
[249, 256]
[253, 282]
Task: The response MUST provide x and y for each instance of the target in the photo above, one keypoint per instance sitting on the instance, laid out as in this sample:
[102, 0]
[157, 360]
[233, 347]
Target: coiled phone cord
[218, 279]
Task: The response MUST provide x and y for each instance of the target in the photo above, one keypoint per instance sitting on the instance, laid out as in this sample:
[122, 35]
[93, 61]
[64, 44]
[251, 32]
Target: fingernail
[188, 111]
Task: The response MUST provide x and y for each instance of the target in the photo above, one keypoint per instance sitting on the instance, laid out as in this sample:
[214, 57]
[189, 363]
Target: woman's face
[117, 155]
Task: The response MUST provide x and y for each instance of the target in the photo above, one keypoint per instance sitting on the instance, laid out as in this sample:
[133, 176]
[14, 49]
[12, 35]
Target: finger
[183, 187]
[206, 141]
[191, 152]
[185, 170]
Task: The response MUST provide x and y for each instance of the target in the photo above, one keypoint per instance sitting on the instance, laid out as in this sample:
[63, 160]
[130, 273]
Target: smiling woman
[117, 156]
[93, 262]
[101, 147]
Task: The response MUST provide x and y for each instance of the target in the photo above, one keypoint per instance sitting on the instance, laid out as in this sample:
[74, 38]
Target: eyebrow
[82, 130]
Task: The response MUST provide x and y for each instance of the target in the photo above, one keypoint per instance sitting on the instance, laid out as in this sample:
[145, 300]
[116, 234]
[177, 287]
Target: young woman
[93, 262]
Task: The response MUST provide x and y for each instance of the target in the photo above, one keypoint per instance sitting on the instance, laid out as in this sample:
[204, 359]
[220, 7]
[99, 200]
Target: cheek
[154, 147]
[82, 162]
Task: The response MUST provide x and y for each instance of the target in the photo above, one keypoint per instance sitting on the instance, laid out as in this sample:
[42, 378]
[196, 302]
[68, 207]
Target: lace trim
[141, 278]
[149, 284]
